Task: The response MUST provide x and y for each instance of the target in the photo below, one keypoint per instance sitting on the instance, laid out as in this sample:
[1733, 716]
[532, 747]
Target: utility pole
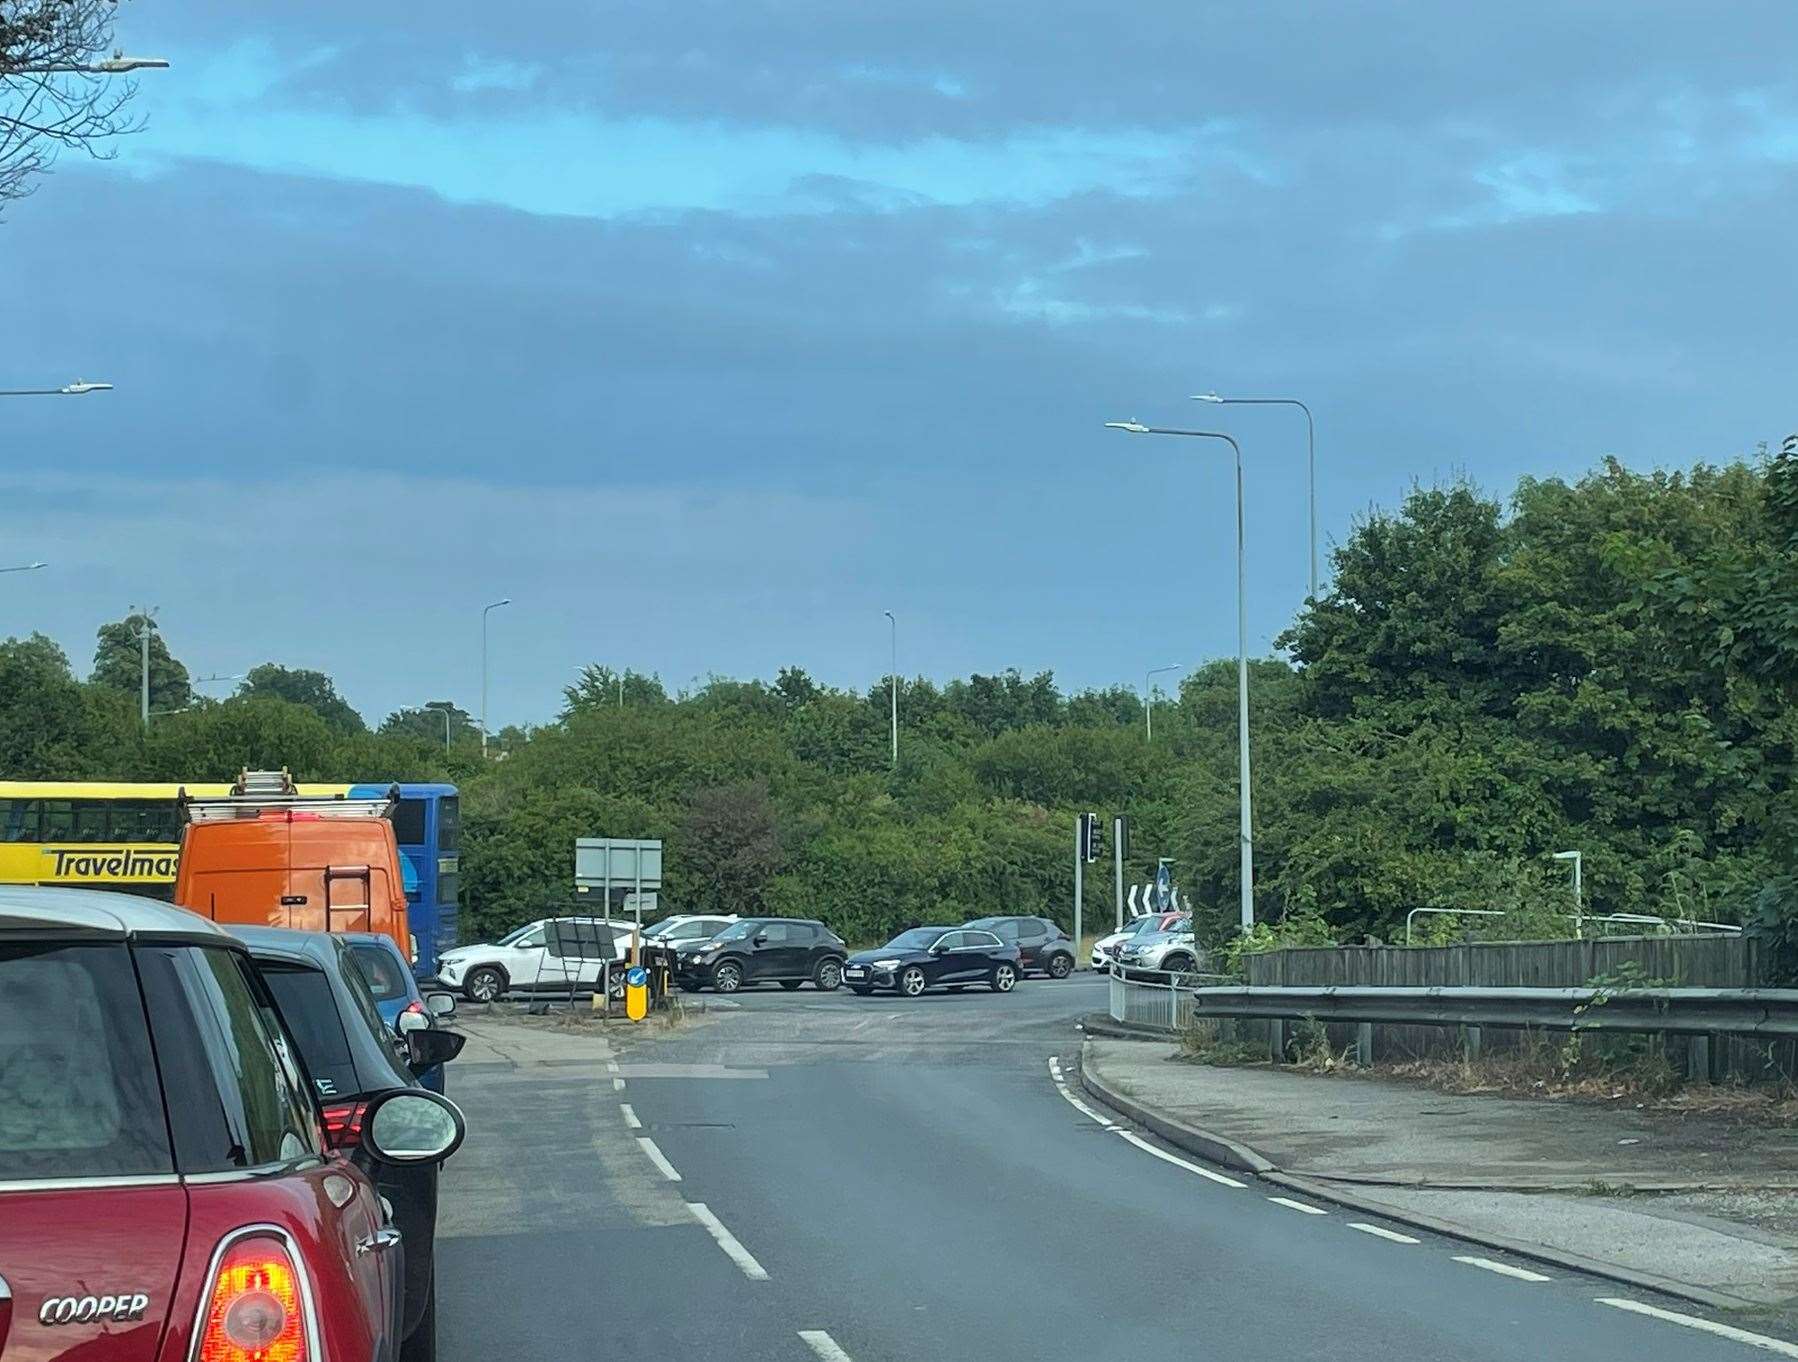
[1120, 834]
[895, 678]
[1079, 878]
[486, 611]
[146, 622]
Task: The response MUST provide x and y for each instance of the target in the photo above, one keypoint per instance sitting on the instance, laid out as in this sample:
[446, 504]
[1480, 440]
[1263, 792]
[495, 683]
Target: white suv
[671, 931]
[521, 960]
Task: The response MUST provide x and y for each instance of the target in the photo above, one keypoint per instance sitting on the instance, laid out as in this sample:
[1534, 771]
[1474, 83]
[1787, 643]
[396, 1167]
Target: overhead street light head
[80, 386]
[1134, 427]
[1207, 397]
[1566, 855]
[118, 64]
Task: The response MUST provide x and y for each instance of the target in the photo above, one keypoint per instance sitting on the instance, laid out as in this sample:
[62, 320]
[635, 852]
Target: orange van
[273, 858]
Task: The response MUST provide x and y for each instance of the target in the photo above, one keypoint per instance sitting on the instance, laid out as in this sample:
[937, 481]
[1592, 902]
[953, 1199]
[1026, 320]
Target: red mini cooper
[166, 1190]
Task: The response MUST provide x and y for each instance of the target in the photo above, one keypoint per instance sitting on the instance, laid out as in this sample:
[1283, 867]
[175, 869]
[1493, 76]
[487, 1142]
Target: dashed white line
[1383, 1233]
[824, 1345]
[728, 1242]
[1522, 1274]
[617, 1085]
[659, 1159]
[1178, 1162]
[1055, 1068]
[1292, 1205]
[611, 1066]
[1772, 1345]
[630, 1116]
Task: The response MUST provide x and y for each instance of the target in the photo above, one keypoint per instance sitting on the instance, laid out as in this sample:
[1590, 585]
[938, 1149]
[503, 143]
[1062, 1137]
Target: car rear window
[310, 1010]
[382, 971]
[78, 1089]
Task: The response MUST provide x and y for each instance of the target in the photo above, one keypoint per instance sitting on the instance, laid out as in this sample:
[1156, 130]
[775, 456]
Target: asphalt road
[886, 1180]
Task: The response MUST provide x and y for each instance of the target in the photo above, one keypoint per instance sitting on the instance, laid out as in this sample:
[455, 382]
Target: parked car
[549, 955]
[757, 950]
[167, 1189]
[351, 1054]
[1105, 949]
[1043, 948]
[926, 957]
[672, 931]
[1173, 949]
[397, 997]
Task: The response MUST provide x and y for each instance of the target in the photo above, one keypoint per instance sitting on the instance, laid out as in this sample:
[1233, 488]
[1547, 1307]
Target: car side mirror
[425, 1049]
[938, 949]
[408, 1022]
[760, 941]
[410, 1125]
[441, 1004]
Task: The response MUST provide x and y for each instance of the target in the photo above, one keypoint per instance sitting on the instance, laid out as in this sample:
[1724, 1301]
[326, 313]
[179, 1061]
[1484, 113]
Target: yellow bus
[98, 834]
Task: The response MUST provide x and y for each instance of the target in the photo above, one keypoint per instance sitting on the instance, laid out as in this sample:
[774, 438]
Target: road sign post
[1120, 837]
[1079, 878]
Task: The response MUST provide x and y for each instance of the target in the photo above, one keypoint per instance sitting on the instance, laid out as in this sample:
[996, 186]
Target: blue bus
[427, 823]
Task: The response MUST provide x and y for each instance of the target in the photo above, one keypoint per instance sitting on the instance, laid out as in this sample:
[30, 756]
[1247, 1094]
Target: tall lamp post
[895, 679]
[1310, 454]
[1579, 902]
[485, 611]
[24, 567]
[146, 626]
[446, 709]
[1148, 717]
[1245, 823]
[78, 388]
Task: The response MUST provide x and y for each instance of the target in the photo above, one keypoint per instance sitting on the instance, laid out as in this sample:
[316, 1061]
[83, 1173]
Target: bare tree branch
[48, 103]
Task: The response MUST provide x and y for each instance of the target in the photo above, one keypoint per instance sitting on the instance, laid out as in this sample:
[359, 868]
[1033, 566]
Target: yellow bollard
[636, 993]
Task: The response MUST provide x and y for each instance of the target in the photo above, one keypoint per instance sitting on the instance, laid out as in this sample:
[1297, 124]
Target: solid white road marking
[1178, 1162]
[1055, 1068]
[1292, 1205]
[1772, 1345]
[658, 1158]
[1393, 1235]
[728, 1242]
[617, 1085]
[1522, 1274]
[630, 1117]
[824, 1345]
[1082, 1108]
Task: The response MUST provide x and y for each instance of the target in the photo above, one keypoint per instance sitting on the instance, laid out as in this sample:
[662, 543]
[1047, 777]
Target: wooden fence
[1672, 961]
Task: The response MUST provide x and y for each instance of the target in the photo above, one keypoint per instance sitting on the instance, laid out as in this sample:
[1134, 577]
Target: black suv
[1043, 948]
[782, 950]
[351, 1054]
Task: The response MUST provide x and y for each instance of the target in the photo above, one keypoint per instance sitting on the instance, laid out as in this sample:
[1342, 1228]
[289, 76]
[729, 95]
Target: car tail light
[253, 1309]
[343, 1124]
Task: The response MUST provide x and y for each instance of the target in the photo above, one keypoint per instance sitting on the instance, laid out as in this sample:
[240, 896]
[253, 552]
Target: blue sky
[708, 331]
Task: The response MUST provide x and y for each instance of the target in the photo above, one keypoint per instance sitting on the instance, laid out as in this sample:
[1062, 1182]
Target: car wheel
[615, 985]
[728, 977]
[1060, 966]
[1004, 978]
[484, 985]
[911, 982]
[421, 1343]
[829, 975]
[790, 984]
[860, 990]
[1178, 964]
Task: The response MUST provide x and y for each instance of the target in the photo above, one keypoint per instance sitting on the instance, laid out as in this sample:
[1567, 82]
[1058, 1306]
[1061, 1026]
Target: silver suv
[1173, 950]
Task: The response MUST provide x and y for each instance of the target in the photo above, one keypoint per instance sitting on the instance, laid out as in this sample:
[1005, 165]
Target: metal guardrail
[1768, 1012]
[1157, 998]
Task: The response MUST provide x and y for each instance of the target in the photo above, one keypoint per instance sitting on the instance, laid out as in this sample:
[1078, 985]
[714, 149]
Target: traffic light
[1092, 837]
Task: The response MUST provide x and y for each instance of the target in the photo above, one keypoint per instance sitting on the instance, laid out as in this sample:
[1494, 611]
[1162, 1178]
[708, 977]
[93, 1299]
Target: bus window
[448, 882]
[449, 828]
[59, 820]
[18, 820]
[409, 822]
[91, 820]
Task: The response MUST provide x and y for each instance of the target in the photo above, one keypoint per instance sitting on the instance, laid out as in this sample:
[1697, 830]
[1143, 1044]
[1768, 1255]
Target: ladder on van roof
[254, 793]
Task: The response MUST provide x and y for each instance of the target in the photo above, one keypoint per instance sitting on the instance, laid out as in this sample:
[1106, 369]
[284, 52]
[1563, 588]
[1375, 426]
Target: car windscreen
[917, 939]
[310, 1010]
[738, 932]
[382, 971]
[78, 1087]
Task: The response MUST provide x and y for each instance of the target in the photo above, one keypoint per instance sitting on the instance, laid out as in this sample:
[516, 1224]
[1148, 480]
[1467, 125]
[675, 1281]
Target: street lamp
[78, 388]
[1148, 717]
[485, 611]
[1579, 911]
[118, 64]
[895, 677]
[1245, 828]
[444, 707]
[24, 567]
[146, 625]
[1310, 453]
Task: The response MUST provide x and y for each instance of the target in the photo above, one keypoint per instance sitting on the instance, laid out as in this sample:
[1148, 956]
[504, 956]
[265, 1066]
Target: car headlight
[888, 964]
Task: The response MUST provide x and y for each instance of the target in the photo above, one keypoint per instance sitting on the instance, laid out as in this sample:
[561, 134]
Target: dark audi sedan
[927, 956]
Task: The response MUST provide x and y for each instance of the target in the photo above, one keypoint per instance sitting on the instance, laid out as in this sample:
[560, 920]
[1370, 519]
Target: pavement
[809, 1176]
[1686, 1203]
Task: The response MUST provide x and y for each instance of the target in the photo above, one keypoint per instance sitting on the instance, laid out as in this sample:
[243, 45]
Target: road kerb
[1233, 1154]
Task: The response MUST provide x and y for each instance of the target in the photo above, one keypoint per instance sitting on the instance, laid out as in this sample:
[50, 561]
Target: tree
[301, 686]
[599, 687]
[427, 722]
[118, 664]
[728, 848]
[45, 108]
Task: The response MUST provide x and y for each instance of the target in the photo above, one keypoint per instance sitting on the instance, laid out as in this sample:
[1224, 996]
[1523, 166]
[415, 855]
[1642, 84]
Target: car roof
[98, 912]
[285, 943]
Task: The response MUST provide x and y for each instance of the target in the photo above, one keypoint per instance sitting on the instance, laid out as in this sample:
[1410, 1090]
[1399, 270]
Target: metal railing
[1157, 998]
[1767, 1012]
[1685, 926]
